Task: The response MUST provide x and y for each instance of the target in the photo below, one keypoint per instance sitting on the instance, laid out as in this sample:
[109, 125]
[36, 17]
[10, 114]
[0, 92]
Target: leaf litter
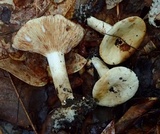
[134, 116]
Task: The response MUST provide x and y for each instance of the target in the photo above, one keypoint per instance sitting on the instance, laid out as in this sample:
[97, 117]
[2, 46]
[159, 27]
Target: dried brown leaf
[10, 108]
[110, 129]
[133, 113]
[74, 62]
[65, 8]
[23, 72]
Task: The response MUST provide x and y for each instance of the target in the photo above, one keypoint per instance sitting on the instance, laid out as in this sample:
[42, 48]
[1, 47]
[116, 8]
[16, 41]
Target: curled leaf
[74, 62]
[133, 113]
[110, 129]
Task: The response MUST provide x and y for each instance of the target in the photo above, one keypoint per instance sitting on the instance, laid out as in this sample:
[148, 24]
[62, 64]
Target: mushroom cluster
[119, 84]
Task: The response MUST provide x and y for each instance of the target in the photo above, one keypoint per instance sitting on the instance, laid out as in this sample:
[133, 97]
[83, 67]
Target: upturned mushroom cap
[122, 40]
[47, 34]
[51, 36]
[115, 87]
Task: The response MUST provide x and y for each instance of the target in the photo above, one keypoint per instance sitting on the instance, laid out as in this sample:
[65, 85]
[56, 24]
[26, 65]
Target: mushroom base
[67, 116]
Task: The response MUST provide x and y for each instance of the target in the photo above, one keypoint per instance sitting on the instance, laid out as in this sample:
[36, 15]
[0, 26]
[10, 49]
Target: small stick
[22, 104]
[117, 10]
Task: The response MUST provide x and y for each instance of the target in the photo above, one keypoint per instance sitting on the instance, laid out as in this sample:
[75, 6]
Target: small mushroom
[122, 40]
[51, 36]
[115, 86]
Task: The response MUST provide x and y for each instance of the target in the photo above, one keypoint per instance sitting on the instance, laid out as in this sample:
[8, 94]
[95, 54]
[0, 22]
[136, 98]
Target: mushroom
[115, 86]
[54, 36]
[31, 67]
[122, 40]
[51, 36]
[127, 37]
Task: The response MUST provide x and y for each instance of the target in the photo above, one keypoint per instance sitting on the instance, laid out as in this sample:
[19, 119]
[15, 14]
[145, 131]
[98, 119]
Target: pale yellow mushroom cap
[132, 31]
[115, 87]
[48, 34]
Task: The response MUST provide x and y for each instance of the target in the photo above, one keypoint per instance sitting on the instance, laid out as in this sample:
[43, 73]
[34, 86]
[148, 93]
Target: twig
[22, 104]
[118, 12]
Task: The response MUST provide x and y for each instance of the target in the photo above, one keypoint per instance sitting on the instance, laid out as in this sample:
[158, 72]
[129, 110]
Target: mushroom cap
[117, 86]
[48, 34]
[132, 31]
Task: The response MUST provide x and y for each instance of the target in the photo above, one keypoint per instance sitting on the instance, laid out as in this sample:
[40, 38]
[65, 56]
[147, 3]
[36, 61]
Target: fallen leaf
[10, 108]
[110, 129]
[133, 113]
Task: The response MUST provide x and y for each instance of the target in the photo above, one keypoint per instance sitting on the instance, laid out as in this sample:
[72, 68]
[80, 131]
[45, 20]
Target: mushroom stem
[98, 25]
[57, 66]
[100, 66]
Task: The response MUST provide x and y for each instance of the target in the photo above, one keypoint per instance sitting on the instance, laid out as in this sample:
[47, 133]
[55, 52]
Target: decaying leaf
[10, 108]
[24, 73]
[74, 62]
[110, 129]
[156, 72]
[154, 13]
[65, 8]
[112, 3]
[133, 113]
[34, 74]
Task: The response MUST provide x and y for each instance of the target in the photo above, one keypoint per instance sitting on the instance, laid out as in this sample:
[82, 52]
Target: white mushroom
[122, 40]
[51, 36]
[115, 86]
